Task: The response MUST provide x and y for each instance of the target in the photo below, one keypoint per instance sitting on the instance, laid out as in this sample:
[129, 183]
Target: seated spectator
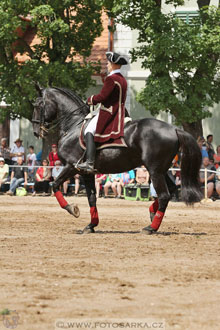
[113, 181]
[99, 183]
[57, 169]
[43, 176]
[17, 151]
[53, 155]
[142, 176]
[127, 177]
[210, 176]
[209, 145]
[217, 186]
[5, 151]
[202, 146]
[153, 194]
[77, 184]
[4, 171]
[18, 176]
[31, 162]
[217, 157]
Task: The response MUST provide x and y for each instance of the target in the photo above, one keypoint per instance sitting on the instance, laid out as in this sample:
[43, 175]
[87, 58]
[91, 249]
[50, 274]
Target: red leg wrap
[61, 199]
[154, 207]
[157, 220]
[94, 215]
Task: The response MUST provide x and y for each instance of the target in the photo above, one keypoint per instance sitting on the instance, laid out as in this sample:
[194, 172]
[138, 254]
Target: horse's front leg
[64, 175]
[91, 194]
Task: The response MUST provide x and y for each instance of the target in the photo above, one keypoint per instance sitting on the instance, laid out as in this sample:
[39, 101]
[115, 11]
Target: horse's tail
[190, 166]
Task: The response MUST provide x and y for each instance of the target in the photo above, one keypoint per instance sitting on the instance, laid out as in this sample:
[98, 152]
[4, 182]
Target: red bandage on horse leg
[157, 220]
[61, 199]
[94, 215]
[154, 207]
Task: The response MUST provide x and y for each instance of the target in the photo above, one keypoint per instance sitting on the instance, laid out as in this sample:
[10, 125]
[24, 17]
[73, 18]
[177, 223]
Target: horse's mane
[72, 95]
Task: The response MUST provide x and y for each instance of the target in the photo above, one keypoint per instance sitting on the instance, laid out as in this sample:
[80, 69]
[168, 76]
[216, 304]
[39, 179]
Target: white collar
[114, 71]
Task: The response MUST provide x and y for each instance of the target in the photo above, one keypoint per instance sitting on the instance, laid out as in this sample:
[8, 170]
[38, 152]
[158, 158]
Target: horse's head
[44, 113]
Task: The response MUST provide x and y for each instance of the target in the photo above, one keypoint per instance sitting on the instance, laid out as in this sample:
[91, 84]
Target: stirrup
[86, 167]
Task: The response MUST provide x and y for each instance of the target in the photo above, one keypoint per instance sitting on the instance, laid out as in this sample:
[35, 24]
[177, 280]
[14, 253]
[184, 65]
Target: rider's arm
[107, 88]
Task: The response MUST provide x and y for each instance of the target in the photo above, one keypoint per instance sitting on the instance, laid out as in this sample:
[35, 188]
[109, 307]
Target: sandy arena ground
[50, 271]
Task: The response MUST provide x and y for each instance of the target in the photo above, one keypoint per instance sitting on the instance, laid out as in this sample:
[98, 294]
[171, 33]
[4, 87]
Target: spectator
[202, 146]
[153, 194]
[127, 177]
[142, 176]
[99, 183]
[113, 181]
[177, 177]
[57, 169]
[5, 151]
[17, 151]
[77, 184]
[217, 157]
[53, 156]
[210, 176]
[31, 162]
[18, 176]
[217, 187]
[38, 157]
[4, 171]
[209, 145]
[43, 176]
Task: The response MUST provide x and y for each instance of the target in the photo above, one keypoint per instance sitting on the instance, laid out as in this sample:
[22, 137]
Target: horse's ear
[38, 88]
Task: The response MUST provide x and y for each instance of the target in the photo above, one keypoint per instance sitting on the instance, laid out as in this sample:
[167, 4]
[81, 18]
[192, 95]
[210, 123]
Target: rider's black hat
[116, 58]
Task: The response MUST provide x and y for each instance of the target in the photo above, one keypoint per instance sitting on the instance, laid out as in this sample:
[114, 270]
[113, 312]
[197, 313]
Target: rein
[69, 116]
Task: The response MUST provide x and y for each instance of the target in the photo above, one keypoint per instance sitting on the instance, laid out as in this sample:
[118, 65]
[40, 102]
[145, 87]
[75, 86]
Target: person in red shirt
[53, 156]
[108, 124]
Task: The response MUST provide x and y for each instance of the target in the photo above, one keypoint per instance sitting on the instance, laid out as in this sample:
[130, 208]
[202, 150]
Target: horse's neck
[70, 120]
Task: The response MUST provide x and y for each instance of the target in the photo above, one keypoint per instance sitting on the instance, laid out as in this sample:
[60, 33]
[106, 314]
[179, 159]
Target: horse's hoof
[88, 230]
[152, 216]
[73, 209]
[148, 230]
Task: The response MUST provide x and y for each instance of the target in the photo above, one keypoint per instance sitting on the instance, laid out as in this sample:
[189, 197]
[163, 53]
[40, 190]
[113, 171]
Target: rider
[108, 124]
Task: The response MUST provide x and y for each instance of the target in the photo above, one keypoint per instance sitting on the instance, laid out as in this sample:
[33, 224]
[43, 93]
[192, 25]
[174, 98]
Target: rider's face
[109, 67]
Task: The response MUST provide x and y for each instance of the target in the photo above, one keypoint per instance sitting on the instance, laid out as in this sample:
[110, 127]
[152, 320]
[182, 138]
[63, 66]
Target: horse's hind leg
[158, 208]
[64, 175]
[91, 194]
[171, 187]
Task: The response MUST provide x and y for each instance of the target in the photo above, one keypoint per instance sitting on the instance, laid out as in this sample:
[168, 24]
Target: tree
[67, 30]
[183, 59]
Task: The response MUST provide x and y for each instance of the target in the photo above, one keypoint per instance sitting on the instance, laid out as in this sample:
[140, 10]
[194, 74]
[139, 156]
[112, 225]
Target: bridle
[44, 126]
[42, 123]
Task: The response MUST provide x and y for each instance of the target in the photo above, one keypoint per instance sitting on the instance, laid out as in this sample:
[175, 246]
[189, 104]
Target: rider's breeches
[91, 128]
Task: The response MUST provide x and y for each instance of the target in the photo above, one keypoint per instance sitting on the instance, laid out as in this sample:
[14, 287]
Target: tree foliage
[67, 30]
[183, 59]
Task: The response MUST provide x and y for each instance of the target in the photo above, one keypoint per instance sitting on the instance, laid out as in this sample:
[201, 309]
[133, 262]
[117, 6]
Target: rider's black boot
[88, 165]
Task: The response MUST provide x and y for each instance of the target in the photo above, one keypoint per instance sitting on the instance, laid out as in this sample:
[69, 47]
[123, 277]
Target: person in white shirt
[17, 151]
[4, 171]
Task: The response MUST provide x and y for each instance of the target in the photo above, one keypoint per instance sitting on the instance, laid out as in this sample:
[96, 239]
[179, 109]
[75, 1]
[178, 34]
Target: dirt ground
[49, 271]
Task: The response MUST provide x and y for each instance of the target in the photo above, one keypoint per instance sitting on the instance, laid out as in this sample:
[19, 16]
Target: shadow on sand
[130, 232]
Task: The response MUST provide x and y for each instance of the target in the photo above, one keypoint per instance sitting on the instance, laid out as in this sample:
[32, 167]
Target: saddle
[120, 142]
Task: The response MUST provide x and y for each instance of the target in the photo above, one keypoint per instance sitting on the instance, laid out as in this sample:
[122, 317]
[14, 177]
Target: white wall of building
[14, 131]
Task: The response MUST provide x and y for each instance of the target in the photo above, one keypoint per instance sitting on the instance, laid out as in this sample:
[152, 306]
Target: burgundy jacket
[110, 125]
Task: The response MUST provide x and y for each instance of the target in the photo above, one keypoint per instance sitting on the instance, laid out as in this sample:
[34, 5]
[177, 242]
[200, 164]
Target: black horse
[150, 142]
